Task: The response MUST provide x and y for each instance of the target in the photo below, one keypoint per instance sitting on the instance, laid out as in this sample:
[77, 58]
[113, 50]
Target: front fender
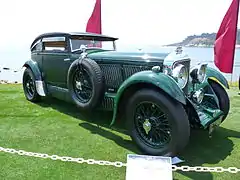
[160, 80]
[35, 69]
[40, 86]
[217, 76]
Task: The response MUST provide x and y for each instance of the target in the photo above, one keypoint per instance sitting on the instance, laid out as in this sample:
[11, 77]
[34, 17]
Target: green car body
[124, 73]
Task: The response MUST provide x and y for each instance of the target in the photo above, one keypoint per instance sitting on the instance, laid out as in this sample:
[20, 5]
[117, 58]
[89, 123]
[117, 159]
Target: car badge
[179, 50]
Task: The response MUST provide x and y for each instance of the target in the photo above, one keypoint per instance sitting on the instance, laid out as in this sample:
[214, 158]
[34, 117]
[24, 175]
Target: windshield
[77, 43]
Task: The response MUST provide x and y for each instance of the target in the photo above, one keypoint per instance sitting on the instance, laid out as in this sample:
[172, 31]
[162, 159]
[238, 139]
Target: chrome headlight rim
[198, 73]
[178, 72]
[167, 70]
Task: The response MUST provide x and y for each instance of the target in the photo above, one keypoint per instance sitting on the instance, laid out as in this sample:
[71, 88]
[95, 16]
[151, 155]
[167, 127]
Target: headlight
[167, 70]
[180, 73]
[198, 73]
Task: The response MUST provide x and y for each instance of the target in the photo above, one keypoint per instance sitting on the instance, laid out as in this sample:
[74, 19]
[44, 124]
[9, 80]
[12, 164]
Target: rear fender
[159, 80]
[40, 86]
[34, 67]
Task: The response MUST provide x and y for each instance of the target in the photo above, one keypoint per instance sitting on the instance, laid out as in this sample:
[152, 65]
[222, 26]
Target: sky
[134, 22]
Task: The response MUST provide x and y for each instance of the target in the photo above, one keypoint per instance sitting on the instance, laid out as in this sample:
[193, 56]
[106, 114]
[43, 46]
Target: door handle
[67, 59]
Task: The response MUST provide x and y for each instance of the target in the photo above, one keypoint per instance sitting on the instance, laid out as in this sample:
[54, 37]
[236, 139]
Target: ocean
[14, 61]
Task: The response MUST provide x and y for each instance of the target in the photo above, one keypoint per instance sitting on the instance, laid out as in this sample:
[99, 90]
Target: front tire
[29, 86]
[223, 98]
[157, 124]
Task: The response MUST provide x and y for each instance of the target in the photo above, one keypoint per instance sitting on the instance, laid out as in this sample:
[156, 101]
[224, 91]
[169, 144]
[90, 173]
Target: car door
[56, 60]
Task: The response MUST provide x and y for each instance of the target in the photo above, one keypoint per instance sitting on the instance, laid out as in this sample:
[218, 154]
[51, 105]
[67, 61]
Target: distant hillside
[203, 40]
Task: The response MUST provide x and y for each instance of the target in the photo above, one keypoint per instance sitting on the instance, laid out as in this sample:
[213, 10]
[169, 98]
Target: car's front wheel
[29, 86]
[157, 124]
[223, 98]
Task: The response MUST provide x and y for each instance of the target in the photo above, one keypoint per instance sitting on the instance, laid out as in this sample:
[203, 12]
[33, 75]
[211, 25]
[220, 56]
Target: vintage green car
[158, 96]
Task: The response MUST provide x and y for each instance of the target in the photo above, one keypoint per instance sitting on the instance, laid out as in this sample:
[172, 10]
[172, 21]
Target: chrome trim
[70, 40]
[67, 59]
[179, 62]
[38, 41]
[50, 39]
[71, 49]
[156, 69]
[175, 56]
[114, 46]
[202, 65]
[198, 96]
[176, 72]
[40, 88]
[198, 67]
[179, 50]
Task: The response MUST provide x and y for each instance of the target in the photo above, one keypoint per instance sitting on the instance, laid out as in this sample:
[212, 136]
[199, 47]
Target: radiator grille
[108, 103]
[115, 74]
[129, 70]
[112, 74]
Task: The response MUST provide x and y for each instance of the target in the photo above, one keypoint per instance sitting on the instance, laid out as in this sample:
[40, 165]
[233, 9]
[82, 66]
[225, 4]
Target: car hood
[128, 56]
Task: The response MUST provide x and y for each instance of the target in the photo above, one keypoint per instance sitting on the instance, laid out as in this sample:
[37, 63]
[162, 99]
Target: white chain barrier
[116, 163]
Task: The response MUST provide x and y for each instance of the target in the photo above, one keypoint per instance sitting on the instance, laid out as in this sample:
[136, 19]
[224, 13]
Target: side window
[37, 46]
[54, 44]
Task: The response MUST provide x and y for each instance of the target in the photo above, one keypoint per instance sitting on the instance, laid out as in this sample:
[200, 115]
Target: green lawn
[54, 127]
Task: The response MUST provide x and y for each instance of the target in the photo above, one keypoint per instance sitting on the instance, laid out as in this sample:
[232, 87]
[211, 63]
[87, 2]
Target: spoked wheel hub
[29, 84]
[157, 124]
[152, 125]
[82, 85]
[147, 126]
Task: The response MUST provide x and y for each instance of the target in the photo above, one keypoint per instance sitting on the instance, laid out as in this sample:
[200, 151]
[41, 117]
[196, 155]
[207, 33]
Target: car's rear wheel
[86, 84]
[29, 86]
[223, 98]
[157, 124]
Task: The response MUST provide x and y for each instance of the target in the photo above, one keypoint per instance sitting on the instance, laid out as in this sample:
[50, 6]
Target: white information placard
[143, 167]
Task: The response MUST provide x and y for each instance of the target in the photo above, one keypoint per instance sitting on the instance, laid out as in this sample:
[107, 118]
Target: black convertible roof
[83, 34]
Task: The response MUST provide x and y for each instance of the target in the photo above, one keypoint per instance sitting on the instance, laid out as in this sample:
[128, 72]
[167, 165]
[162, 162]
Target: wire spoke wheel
[157, 124]
[29, 84]
[85, 83]
[152, 125]
[82, 85]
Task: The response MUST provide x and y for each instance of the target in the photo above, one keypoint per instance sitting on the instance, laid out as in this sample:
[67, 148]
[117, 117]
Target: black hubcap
[152, 125]
[82, 85]
[29, 85]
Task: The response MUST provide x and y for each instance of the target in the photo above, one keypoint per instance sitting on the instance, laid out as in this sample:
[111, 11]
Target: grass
[54, 127]
[233, 84]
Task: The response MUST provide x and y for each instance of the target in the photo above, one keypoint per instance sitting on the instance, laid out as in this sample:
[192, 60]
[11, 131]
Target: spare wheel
[86, 83]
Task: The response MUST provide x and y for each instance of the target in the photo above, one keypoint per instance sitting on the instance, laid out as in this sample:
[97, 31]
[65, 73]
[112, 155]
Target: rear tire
[223, 98]
[169, 126]
[29, 86]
